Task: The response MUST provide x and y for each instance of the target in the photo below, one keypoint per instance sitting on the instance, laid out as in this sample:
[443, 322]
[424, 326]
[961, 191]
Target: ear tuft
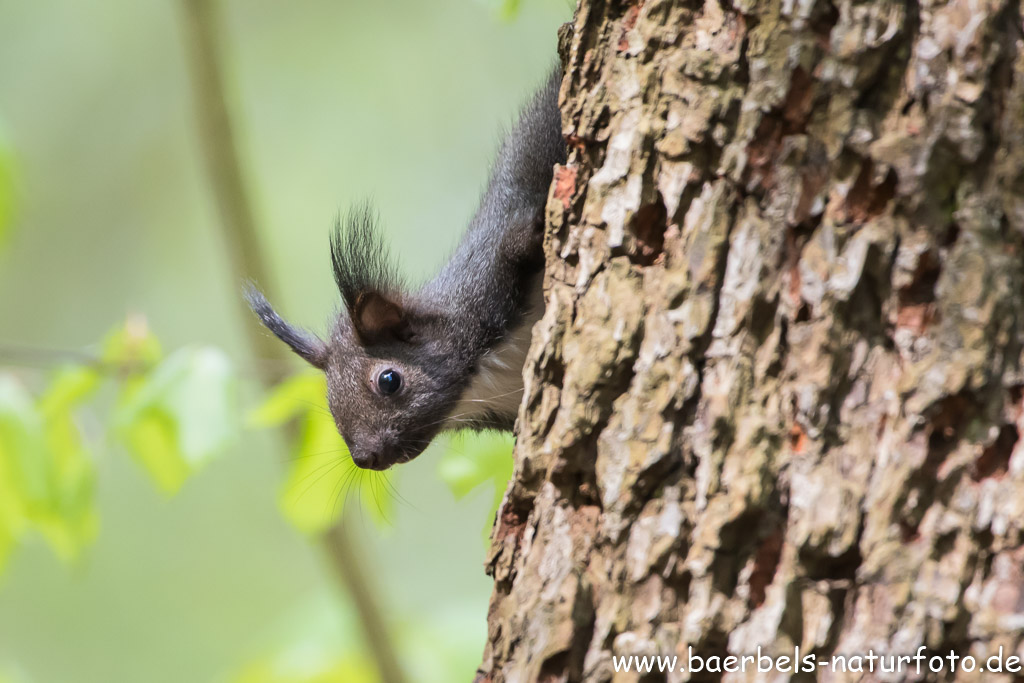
[308, 346]
[368, 281]
[360, 258]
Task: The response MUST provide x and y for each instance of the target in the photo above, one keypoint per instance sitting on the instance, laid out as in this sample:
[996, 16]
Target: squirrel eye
[389, 382]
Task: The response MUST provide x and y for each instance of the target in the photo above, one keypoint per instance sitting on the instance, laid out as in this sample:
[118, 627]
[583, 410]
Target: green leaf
[132, 346]
[319, 471]
[152, 440]
[289, 399]
[70, 522]
[353, 668]
[70, 386]
[509, 9]
[197, 388]
[20, 445]
[321, 476]
[46, 475]
[479, 459]
[180, 415]
[21, 436]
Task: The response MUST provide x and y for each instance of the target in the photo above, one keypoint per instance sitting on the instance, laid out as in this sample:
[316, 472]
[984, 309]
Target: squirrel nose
[370, 457]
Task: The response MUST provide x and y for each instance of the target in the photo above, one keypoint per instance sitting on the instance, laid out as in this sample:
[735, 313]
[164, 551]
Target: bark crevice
[775, 399]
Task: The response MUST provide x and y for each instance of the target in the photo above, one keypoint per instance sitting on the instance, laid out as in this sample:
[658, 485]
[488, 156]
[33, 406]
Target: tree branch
[45, 358]
[248, 263]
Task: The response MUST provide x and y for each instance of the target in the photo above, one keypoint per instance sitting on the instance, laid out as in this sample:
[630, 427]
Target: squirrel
[404, 365]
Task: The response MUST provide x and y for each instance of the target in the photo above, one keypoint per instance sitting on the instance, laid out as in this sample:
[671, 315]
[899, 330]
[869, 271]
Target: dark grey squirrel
[403, 365]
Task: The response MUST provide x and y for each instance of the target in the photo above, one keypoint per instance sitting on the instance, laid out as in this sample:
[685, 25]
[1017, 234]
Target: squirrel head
[391, 379]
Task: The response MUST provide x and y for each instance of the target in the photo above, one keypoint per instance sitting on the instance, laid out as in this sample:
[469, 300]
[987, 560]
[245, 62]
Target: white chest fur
[497, 385]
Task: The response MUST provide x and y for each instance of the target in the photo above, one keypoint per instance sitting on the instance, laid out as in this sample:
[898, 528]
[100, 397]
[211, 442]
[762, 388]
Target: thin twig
[224, 168]
[248, 263]
[46, 358]
[352, 574]
[31, 356]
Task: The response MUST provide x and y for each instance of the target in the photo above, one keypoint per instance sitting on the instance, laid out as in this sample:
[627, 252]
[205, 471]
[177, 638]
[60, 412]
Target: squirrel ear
[308, 346]
[377, 318]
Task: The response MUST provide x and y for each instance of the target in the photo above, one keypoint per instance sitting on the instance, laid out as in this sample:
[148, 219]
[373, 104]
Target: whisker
[492, 398]
[317, 480]
[395, 492]
[340, 489]
[318, 407]
[374, 481]
[457, 418]
[313, 455]
[320, 467]
[359, 499]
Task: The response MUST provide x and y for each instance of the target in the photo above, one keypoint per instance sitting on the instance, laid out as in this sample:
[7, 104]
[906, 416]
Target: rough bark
[776, 397]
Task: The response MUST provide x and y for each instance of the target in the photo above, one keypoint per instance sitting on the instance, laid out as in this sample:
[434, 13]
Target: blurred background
[333, 102]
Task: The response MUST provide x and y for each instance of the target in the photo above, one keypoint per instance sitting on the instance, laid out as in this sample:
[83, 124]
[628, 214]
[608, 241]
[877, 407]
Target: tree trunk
[776, 397]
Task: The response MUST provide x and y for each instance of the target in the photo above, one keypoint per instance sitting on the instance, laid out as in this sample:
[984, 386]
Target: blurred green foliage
[200, 575]
[509, 9]
[486, 459]
[174, 414]
[180, 415]
[341, 671]
[46, 474]
[320, 474]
